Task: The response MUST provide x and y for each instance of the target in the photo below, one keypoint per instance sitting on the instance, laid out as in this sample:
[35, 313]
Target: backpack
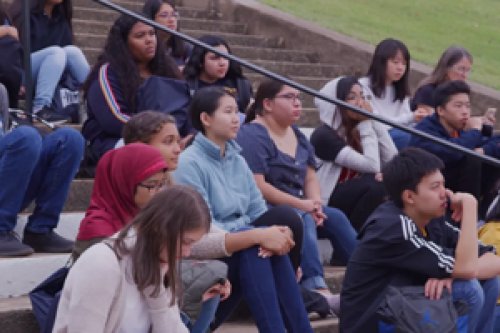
[66, 98]
[168, 96]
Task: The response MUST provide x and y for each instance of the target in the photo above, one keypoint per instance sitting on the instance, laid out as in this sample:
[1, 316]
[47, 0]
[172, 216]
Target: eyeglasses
[154, 187]
[291, 97]
[166, 15]
[461, 69]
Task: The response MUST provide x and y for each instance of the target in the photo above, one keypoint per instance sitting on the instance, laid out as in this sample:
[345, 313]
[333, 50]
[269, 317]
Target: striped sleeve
[429, 252]
[109, 95]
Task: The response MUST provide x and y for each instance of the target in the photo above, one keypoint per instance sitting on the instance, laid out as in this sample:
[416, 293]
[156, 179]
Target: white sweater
[94, 297]
[397, 111]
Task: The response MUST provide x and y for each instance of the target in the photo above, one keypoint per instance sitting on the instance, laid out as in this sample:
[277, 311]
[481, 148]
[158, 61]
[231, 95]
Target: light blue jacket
[225, 182]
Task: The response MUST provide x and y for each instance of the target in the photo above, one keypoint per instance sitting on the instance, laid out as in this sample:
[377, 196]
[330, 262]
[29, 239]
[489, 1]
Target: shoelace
[20, 114]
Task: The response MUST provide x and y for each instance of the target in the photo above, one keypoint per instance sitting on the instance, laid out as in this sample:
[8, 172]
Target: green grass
[427, 27]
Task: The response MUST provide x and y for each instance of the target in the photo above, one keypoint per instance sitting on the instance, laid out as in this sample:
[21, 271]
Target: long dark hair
[195, 64]
[385, 50]
[352, 136]
[64, 9]
[267, 89]
[117, 54]
[448, 59]
[160, 226]
[174, 43]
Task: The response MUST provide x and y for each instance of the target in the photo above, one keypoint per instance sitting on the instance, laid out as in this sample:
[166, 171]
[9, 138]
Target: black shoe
[48, 115]
[11, 246]
[49, 243]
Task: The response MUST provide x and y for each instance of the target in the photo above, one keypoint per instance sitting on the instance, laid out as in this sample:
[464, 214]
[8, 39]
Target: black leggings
[285, 216]
[358, 198]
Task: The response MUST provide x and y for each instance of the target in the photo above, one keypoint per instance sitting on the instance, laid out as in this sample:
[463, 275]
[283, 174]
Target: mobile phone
[490, 113]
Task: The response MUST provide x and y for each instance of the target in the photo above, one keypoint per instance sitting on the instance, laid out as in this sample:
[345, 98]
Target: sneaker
[48, 116]
[332, 299]
[11, 246]
[49, 243]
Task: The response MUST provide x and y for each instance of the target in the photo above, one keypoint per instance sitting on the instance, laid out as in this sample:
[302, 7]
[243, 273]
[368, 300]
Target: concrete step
[94, 24]
[91, 9]
[16, 317]
[300, 69]
[78, 198]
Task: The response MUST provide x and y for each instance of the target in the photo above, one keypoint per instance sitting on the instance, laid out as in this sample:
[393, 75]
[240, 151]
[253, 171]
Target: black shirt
[392, 250]
[49, 31]
[423, 96]
[327, 143]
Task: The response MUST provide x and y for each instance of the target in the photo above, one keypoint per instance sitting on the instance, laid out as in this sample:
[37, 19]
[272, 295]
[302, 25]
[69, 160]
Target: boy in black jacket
[409, 241]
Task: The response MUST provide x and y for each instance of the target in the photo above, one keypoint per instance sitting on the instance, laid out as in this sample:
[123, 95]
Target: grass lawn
[427, 27]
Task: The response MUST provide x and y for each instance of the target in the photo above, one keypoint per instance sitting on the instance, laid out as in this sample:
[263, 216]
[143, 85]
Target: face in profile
[460, 71]
[141, 42]
[167, 16]
[429, 199]
[286, 106]
[147, 188]
[356, 97]
[224, 123]
[167, 140]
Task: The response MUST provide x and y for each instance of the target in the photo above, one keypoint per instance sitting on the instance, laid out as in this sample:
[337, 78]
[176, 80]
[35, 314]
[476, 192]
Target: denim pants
[481, 297]
[32, 168]
[48, 66]
[269, 287]
[205, 317]
[341, 234]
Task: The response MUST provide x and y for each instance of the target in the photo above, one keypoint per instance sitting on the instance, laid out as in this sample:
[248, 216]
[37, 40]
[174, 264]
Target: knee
[288, 216]
[470, 291]
[26, 141]
[71, 142]
[57, 54]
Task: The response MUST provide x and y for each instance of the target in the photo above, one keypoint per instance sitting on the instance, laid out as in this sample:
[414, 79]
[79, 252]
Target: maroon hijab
[117, 175]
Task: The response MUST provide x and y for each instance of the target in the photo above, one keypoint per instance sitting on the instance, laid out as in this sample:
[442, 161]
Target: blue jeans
[400, 138]
[48, 66]
[341, 234]
[270, 290]
[32, 168]
[481, 297]
[205, 317]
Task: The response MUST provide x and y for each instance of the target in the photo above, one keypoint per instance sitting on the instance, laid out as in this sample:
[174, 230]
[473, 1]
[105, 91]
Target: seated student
[283, 165]
[352, 150]
[165, 12]
[11, 69]
[130, 57]
[52, 49]
[37, 169]
[409, 241]
[386, 85]
[259, 269]
[126, 180]
[208, 69]
[455, 64]
[453, 122]
[130, 283]
[158, 130]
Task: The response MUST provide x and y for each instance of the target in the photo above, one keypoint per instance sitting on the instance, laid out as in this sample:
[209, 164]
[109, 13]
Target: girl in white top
[119, 286]
[386, 85]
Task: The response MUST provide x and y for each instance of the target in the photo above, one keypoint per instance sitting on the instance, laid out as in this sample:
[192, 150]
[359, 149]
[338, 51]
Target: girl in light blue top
[259, 269]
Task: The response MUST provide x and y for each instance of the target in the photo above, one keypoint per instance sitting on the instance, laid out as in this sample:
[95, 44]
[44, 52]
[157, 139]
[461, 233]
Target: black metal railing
[301, 87]
[28, 80]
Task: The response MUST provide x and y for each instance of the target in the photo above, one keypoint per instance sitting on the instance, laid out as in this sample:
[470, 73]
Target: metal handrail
[28, 80]
[487, 159]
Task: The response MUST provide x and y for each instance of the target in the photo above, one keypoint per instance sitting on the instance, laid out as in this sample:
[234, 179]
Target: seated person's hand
[275, 240]
[222, 289]
[22, 91]
[474, 123]
[457, 201]
[434, 287]
[421, 112]
[7, 30]
[379, 177]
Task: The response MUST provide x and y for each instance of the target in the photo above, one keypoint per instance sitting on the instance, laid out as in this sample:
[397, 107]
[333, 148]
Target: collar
[213, 150]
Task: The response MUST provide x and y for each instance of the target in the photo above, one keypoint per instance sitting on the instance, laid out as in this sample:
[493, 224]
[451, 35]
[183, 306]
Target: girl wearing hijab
[352, 150]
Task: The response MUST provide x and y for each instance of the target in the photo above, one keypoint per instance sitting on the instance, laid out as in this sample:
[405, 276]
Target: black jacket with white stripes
[392, 250]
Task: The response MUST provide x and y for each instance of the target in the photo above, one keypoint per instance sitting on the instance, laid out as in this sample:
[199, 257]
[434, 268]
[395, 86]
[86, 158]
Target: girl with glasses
[164, 12]
[258, 242]
[283, 165]
[352, 150]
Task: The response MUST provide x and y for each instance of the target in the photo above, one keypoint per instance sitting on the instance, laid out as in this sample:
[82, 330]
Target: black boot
[49, 242]
[11, 246]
